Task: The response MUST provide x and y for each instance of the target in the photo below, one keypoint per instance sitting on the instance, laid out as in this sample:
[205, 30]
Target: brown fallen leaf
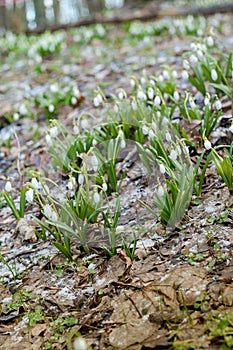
[25, 230]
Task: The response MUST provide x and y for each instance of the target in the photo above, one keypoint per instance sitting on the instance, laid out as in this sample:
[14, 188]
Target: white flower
[231, 128]
[76, 130]
[134, 106]
[132, 83]
[209, 41]
[152, 82]
[174, 74]
[76, 91]
[121, 95]
[116, 108]
[54, 131]
[185, 75]
[141, 95]
[81, 179]
[162, 169]
[29, 195]
[123, 144]
[71, 183]
[160, 191]
[176, 96]
[94, 163]
[54, 88]
[23, 109]
[199, 54]
[51, 108]
[151, 134]
[142, 80]
[160, 78]
[74, 100]
[104, 187]
[35, 183]
[48, 140]
[96, 197]
[218, 105]
[98, 100]
[214, 75]
[94, 142]
[79, 344]
[145, 130]
[150, 93]
[166, 74]
[16, 117]
[186, 65]
[207, 145]
[50, 213]
[157, 101]
[206, 100]
[192, 103]
[173, 154]
[193, 60]
[8, 186]
[168, 137]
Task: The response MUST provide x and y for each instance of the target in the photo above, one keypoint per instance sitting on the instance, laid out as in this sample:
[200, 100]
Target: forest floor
[177, 291]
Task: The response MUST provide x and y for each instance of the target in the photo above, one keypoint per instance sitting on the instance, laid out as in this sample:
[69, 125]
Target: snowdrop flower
[145, 130]
[218, 105]
[123, 144]
[35, 183]
[51, 108]
[231, 128]
[186, 65]
[16, 117]
[141, 95]
[50, 213]
[207, 145]
[168, 137]
[192, 103]
[81, 179]
[96, 197]
[132, 83]
[166, 75]
[160, 78]
[76, 91]
[150, 93]
[160, 191]
[193, 60]
[151, 134]
[94, 142]
[76, 130]
[207, 100]
[162, 169]
[184, 75]
[74, 100]
[199, 54]
[29, 195]
[23, 109]
[142, 80]
[8, 186]
[116, 108]
[134, 106]
[94, 163]
[174, 74]
[98, 100]
[176, 96]
[54, 88]
[79, 344]
[104, 187]
[157, 101]
[48, 140]
[152, 82]
[121, 95]
[210, 41]
[214, 75]
[54, 131]
[173, 154]
[71, 183]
